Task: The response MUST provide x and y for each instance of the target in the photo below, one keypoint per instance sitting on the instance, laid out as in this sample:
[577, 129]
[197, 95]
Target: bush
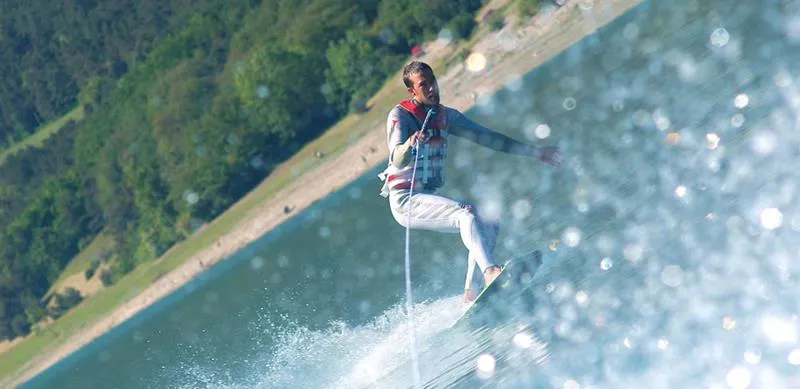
[65, 301]
[496, 21]
[89, 272]
[527, 8]
[19, 326]
[106, 278]
[462, 26]
[463, 54]
[35, 311]
[358, 105]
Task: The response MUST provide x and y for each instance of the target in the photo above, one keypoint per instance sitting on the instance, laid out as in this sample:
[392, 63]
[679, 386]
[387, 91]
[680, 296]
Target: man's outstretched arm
[462, 127]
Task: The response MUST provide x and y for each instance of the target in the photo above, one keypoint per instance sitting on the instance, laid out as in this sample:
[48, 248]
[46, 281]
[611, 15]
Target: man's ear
[410, 91]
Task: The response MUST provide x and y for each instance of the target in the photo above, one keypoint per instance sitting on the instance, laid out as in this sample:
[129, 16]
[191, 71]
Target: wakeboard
[513, 280]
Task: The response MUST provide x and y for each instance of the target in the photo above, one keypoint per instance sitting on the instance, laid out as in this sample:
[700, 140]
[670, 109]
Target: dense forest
[189, 104]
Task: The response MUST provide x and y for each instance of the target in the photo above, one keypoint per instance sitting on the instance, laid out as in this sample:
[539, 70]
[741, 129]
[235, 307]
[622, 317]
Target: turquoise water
[674, 264]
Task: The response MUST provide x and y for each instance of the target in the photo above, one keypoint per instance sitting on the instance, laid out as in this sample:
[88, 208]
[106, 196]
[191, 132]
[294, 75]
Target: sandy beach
[510, 53]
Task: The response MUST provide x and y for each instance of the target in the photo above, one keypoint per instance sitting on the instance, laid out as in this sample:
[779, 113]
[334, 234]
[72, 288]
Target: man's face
[424, 88]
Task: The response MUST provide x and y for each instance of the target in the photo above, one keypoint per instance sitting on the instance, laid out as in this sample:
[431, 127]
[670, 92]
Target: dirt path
[511, 52]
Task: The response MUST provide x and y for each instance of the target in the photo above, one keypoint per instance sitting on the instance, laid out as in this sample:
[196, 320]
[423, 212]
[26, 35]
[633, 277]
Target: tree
[35, 311]
[404, 23]
[358, 64]
[279, 89]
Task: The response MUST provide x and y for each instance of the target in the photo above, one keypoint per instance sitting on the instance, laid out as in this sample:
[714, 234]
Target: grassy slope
[38, 138]
[81, 262]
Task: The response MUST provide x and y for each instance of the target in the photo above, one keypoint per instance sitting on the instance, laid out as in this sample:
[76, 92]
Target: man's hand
[418, 136]
[550, 155]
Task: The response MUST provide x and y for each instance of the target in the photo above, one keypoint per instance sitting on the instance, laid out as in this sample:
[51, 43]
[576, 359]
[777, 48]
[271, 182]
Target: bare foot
[468, 296]
[491, 273]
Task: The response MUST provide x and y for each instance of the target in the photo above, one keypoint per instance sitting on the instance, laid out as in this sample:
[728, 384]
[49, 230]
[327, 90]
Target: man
[415, 204]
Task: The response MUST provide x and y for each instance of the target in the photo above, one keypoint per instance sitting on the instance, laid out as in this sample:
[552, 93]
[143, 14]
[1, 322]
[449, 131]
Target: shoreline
[512, 52]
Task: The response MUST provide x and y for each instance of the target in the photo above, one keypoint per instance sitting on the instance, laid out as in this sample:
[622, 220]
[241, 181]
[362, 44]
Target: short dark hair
[414, 67]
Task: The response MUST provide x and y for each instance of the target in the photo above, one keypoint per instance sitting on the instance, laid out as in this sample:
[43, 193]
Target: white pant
[438, 213]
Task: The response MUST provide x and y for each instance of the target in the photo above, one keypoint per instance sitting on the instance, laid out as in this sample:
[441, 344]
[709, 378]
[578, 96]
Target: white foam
[357, 357]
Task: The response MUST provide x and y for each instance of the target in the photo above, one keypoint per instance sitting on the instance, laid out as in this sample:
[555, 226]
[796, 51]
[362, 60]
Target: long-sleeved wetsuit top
[401, 123]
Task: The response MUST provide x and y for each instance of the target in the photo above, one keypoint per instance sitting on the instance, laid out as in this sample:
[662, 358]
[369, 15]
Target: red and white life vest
[430, 155]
